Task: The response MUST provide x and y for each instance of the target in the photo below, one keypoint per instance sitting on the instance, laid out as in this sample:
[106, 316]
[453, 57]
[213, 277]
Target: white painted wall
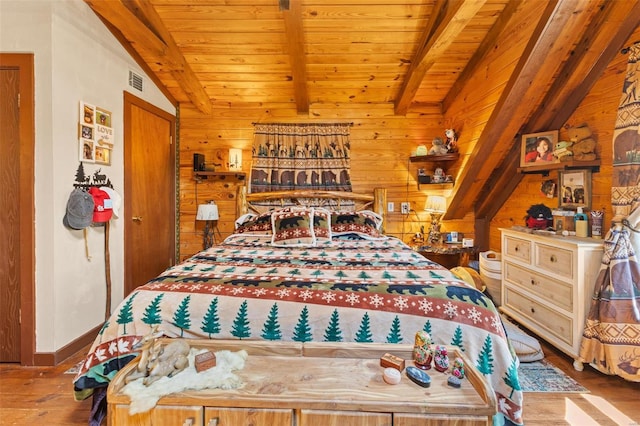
[76, 59]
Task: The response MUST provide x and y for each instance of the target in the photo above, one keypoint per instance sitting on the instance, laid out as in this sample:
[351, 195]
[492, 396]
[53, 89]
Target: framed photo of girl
[537, 148]
[574, 189]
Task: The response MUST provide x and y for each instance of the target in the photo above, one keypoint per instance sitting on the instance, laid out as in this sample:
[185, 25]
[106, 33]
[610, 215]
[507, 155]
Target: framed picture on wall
[537, 148]
[103, 117]
[86, 151]
[87, 114]
[86, 132]
[102, 155]
[574, 189]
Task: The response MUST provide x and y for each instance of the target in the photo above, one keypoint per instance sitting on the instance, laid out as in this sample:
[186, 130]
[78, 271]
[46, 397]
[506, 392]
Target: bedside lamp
[436, 206]
[208, 212]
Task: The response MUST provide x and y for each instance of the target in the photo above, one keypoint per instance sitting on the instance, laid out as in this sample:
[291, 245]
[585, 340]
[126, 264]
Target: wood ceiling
[411, 53]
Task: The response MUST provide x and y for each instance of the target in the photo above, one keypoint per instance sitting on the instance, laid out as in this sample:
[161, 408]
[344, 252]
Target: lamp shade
[436, 204]
[235, 159]
[207, 212]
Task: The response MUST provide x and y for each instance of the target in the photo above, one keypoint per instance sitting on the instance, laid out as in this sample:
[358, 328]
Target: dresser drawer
[555, 260]
[517, 248]
[548, 319]
[557, 292]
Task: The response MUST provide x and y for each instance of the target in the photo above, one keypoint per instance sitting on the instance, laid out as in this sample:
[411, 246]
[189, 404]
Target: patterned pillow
[322, 225]
[293, 228]
[251, 224]
[364, 223]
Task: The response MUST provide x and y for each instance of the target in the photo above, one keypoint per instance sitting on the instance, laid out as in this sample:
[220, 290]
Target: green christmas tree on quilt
[511, 379]
[151, 315]
[395, 335]
[457, 338]
[271, 328]
[364, 332]
[125, 316]
[485, 360]
[211, 321]
[302, 331]
[182, 318]
[240, 327]
[333, 332]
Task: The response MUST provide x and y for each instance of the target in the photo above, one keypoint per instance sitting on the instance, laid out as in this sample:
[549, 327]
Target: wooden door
[17, 261]
[149, 198]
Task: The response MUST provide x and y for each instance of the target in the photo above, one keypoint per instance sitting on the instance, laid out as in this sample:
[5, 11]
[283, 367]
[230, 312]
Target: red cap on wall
[102, 209]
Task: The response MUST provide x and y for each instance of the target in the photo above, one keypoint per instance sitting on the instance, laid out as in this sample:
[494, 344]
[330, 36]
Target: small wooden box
[392, 361]
[205, 361]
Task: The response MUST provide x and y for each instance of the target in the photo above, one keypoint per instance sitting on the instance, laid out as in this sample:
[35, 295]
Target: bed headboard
[376, 202]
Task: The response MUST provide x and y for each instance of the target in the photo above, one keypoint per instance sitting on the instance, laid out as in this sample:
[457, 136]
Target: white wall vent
[136, 81]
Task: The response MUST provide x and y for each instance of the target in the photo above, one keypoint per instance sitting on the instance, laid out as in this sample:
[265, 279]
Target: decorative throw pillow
[251, 224]
[322, 225]
[292, 228]
[365, 223]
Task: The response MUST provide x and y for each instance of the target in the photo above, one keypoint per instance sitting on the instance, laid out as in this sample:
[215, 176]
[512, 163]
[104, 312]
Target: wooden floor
[44, 396]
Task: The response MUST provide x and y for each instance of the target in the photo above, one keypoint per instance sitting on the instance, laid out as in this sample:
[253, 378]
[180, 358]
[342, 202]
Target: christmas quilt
[345, 289]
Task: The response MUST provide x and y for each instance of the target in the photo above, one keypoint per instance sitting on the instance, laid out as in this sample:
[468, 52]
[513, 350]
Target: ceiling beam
[457, 16]
[600, 43]
[532, 73]
[155, 45]
[295, 46]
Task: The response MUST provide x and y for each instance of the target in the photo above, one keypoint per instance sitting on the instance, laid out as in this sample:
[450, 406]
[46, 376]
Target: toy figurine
[458, 368]
[441, 359]
[422, 353]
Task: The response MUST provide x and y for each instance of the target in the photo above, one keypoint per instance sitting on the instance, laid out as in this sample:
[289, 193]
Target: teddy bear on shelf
[583, 145]
[441, 358]
[438, 147]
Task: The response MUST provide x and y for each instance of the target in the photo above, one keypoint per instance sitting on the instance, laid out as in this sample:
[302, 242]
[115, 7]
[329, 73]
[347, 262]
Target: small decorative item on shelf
[209, 213]
[438, 176]
[438, 147]
[458, 368]
[441, 358]
[422, 353]
[421, 150]
[452, 140]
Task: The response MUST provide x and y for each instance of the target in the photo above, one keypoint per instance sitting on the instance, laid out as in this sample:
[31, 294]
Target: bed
[305, 273]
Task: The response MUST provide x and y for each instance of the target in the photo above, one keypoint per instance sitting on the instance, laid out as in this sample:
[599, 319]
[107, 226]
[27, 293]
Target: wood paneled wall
[598, 110]
[381, 143]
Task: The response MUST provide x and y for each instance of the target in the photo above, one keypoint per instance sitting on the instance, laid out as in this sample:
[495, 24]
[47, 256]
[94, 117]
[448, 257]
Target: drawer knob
[517, 249]
[553, 258]
[213, 421]
[533, 310]
[189, 422]
[533, 282]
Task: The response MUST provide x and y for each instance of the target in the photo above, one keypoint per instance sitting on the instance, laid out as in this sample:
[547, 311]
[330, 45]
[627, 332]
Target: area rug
[542, 376]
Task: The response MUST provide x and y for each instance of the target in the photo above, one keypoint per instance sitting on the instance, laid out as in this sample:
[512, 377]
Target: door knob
[137, 218]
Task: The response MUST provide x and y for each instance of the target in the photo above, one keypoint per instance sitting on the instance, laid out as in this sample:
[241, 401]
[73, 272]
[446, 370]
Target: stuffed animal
[583, 144]
[562, 151]
[452, 140]
[438, 147]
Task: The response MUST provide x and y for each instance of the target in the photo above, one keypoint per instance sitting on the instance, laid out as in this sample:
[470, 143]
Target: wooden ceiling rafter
[600, 43]
[455, 19]
[147, 43]
[294, 34]
[510, 112]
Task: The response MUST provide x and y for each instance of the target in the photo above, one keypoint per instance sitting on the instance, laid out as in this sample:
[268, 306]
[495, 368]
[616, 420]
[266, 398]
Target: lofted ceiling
[410, 53]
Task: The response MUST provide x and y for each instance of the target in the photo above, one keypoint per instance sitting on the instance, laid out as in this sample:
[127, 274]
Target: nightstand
[448, 255]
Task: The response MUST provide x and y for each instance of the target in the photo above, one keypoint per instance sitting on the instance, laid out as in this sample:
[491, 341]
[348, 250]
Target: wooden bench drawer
[548, 319]
[557, 292]
[555, 260]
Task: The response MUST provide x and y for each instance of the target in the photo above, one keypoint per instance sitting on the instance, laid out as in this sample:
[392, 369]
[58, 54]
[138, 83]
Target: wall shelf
[544, 170]
[200, 175]
[434, 158]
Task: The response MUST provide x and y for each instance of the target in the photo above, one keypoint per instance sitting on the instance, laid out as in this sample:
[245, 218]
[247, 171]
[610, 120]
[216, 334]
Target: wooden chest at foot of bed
[315, 384]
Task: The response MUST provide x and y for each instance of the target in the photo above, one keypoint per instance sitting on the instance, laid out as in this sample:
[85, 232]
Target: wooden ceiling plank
[295, 47]
[457, 16]
[146, 41]
[600, 43]
[487, 44]
[523, 79]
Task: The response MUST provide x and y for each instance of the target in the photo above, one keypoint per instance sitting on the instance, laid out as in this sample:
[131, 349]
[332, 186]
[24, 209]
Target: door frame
[130, 100]
[24, 62]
